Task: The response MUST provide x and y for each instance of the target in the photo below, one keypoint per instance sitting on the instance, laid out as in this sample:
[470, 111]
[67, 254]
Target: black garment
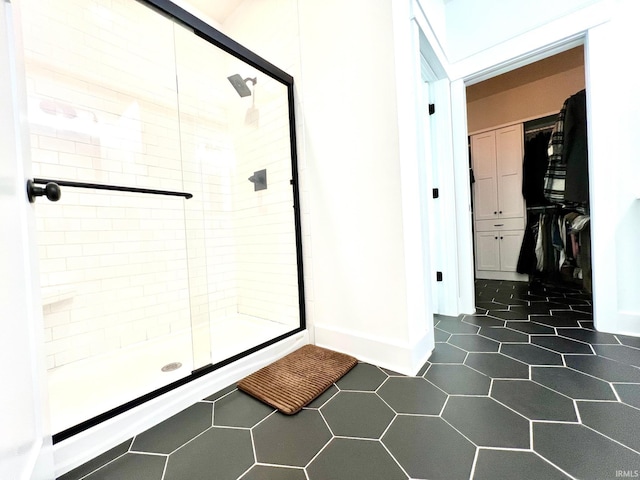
[574, 149]
[534, 167]
[527, 259]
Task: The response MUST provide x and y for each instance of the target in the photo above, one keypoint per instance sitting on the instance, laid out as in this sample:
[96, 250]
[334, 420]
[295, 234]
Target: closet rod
[543, 208]
[98, 186]
[539, 129]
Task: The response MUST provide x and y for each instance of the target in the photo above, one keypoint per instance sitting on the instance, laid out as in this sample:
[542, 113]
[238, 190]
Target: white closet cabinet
[498, 205]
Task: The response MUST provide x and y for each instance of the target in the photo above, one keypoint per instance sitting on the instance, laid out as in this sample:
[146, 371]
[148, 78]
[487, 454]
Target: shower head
[241, 85]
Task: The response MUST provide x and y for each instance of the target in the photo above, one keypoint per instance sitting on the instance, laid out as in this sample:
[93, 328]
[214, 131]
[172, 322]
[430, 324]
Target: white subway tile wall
[120, 95]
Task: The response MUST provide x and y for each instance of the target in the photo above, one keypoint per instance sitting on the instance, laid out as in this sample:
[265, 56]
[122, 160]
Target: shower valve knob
[50, 190]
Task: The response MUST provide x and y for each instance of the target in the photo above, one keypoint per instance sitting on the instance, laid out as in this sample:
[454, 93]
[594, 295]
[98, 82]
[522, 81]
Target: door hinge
[436, 193]
[438, 276]
[432, 108]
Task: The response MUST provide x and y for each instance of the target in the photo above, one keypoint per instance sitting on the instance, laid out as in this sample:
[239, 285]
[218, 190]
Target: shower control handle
[51, 190]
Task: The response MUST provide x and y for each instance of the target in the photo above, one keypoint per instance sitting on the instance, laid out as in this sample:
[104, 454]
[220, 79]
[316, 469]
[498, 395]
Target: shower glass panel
[240, 224]
[141, 290]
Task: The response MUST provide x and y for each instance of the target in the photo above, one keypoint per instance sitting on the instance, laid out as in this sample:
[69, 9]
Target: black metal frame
[217, 38]
[117, 188]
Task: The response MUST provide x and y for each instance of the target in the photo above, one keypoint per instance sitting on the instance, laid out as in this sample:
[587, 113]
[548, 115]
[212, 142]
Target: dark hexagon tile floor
[290, 440]
[617, 421]
[132, 465]
[498, 464]
[428, 447]
[446, 353]
[548, 405]
[354, 459]
[560, 344]
[455, 325]
[621, 353]
[412, 395]
[474, 343]
[628, 393]
[525, 388]
[458, 380]
[540, 307]
[531, 327]
[175, 431]
[227, 450]
[357, 414]
[520, 314]
[629, 341]
[496, 365]
[267, 472]
[239, 410]
[583, 452]
[588, 336]
[362, 377]
[504, 335]
[573, 383]
[440, 335]
[531, 354]
[483, 321]
[487, 423]
[604, 368]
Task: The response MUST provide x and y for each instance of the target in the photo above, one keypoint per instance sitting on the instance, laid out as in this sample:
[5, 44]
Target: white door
[510, 244]
[485, 188]
[434, 205]
[509, 154]
[488, 251]
[25, 447]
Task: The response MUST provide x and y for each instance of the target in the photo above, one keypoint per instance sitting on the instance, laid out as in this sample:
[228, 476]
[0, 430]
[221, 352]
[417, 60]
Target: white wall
[351, 152]
[497, 21]
[614, 108]
[535, 99]
[355, 184]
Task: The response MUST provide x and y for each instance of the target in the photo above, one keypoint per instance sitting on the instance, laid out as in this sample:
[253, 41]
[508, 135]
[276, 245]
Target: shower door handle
[51, 190]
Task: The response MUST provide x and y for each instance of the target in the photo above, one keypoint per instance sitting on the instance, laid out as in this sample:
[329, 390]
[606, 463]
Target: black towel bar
[98, 186]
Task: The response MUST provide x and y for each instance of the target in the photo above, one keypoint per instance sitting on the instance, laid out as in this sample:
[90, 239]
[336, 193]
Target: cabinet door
[509, 153]
[510, 244]
[485, 188]
[487, 251]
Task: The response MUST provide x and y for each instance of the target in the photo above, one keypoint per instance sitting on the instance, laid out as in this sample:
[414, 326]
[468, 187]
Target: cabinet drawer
[500, 224]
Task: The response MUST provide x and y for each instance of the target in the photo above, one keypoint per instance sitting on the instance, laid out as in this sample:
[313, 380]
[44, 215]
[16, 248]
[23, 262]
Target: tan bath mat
[296, 379]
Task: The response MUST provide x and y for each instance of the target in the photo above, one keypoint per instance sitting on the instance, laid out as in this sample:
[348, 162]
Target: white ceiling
[219, 10]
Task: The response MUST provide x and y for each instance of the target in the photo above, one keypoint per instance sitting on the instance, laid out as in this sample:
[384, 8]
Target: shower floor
[240, 333]
[84, 389]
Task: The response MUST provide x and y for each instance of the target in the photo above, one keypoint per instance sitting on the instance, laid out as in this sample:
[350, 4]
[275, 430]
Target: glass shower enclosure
[194, 259]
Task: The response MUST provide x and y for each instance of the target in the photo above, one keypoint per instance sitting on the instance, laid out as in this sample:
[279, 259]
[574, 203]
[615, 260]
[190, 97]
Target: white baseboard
[626, 323]
[80, 448]
[406, 358]
[497, 275]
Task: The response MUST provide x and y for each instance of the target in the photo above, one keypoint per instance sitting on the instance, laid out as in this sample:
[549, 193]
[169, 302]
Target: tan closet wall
[533, 91]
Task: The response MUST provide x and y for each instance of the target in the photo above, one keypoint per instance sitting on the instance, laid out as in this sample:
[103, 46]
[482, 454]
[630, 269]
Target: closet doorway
[504, 114]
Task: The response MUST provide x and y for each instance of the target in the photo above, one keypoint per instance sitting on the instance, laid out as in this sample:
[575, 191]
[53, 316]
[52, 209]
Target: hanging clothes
[567, 176]
[574, 149]
[556, 238]
[556, 173]
[534, 168]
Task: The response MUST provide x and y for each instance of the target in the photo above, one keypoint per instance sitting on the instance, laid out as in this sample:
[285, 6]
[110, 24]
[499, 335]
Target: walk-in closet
[530, 181]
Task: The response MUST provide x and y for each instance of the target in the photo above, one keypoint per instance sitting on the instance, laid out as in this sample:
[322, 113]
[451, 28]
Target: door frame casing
[24, 413]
